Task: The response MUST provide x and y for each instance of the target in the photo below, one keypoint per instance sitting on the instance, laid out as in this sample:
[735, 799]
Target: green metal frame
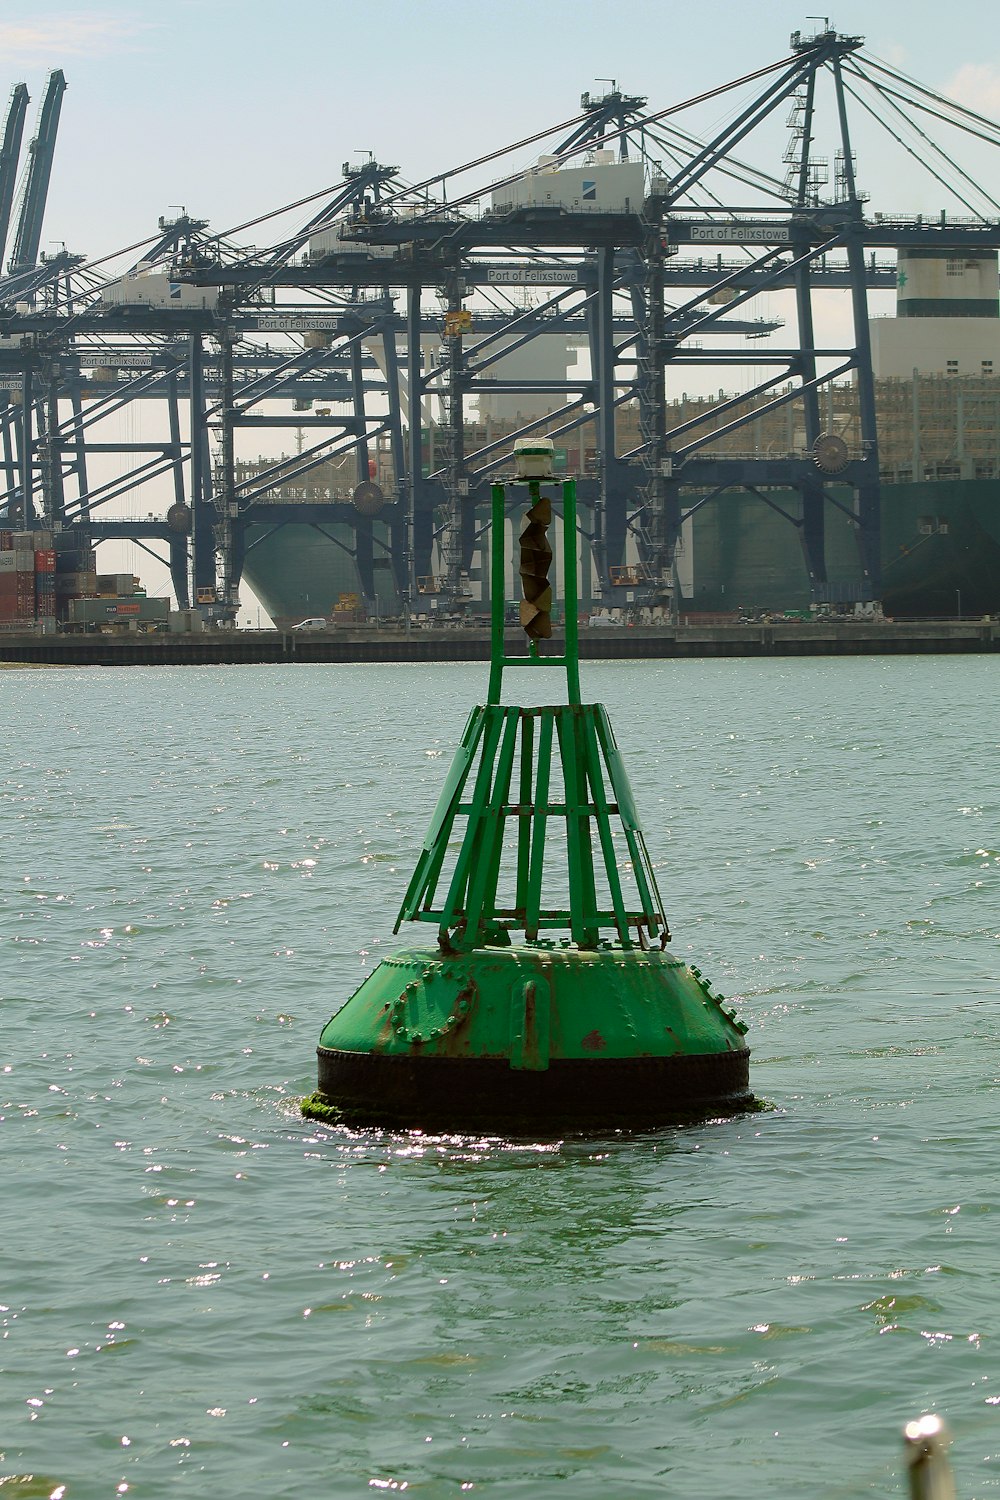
[595, 791]
[570, 658]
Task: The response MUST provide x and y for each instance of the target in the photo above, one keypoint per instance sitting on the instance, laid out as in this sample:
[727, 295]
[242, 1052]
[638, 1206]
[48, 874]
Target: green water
[203, 1294]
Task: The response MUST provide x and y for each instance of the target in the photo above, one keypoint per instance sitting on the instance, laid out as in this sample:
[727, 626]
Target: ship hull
[940, 557]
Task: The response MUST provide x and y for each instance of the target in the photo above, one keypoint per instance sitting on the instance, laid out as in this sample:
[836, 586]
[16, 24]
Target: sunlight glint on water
[199, 1288]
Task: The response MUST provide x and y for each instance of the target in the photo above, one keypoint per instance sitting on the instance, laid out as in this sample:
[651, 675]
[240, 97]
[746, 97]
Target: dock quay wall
[360, 645]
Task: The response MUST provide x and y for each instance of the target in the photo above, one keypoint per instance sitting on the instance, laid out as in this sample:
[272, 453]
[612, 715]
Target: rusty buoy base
[531, 1038]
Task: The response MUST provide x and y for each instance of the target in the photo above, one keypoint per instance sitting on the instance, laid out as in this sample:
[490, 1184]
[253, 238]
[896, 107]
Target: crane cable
[938, 98]
[638, 123]
[928, 140]
[468, 166]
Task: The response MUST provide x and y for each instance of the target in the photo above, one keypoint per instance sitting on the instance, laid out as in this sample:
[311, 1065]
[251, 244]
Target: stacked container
[45, 587]
[17, 580]
[8, 580]
[45, 576]
[76, 569]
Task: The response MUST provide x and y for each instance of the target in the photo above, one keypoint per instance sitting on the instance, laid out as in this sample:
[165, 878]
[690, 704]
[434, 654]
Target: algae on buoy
[588, 1023]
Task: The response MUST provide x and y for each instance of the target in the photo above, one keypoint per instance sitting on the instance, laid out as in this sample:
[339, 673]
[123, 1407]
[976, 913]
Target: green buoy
[589, 1023]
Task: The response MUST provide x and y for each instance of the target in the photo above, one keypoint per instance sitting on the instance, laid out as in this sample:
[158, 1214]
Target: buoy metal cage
[557, 764]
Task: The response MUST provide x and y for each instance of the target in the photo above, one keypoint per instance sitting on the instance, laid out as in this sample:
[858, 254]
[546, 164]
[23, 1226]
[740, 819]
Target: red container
[45, 561]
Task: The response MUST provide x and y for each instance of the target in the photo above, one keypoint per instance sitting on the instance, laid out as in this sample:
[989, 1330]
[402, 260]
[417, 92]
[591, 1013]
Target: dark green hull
[299, 571]
[940, 557]
[940, 552]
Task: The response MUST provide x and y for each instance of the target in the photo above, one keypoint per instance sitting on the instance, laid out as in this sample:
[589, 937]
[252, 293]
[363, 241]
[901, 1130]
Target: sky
[230, 108]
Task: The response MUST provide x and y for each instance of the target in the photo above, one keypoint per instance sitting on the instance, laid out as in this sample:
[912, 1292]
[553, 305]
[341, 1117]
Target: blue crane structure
[339, 310]
[10, 152]
[41, 153]
[791, 236]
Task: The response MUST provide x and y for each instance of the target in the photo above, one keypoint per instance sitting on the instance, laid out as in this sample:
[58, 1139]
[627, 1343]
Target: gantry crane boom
[41, 152]
[10, 152]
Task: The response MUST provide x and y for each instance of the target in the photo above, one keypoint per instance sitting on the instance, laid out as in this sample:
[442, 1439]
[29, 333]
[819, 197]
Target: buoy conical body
[525, 1039]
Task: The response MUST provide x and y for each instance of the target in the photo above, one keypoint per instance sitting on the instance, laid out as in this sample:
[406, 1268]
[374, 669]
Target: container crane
[41, 151]
[10, 152]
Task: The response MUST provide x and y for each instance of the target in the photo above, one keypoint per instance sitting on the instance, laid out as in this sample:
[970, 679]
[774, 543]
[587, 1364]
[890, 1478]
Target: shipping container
[76, 583]
[76, 560]
[113, 611]
[115, 585]
[69, 538]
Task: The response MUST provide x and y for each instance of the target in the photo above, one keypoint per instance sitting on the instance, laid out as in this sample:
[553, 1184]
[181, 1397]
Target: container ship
[940, 529]
[937, 368]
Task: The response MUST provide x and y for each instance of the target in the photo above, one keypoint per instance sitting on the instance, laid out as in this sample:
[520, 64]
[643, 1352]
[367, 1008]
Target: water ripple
[202, 1288]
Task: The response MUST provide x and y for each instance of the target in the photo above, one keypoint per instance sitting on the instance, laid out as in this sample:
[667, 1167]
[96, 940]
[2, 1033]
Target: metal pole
[497, 590]
[570, 592]
[79, 464]
[362, 466]
[414, 392]
[25, 510]
[178, 539]
[813, 532]
[398, 535]
[926, 1447]
[52, 489]
[232, 559]
[458, 525]
[868, 488]
[10, 471]
[202, 538]
[364, 533]
[174, 419]
[604, 382]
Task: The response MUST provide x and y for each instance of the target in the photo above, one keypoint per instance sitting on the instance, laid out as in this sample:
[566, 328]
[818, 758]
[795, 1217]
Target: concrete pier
[360, 644]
